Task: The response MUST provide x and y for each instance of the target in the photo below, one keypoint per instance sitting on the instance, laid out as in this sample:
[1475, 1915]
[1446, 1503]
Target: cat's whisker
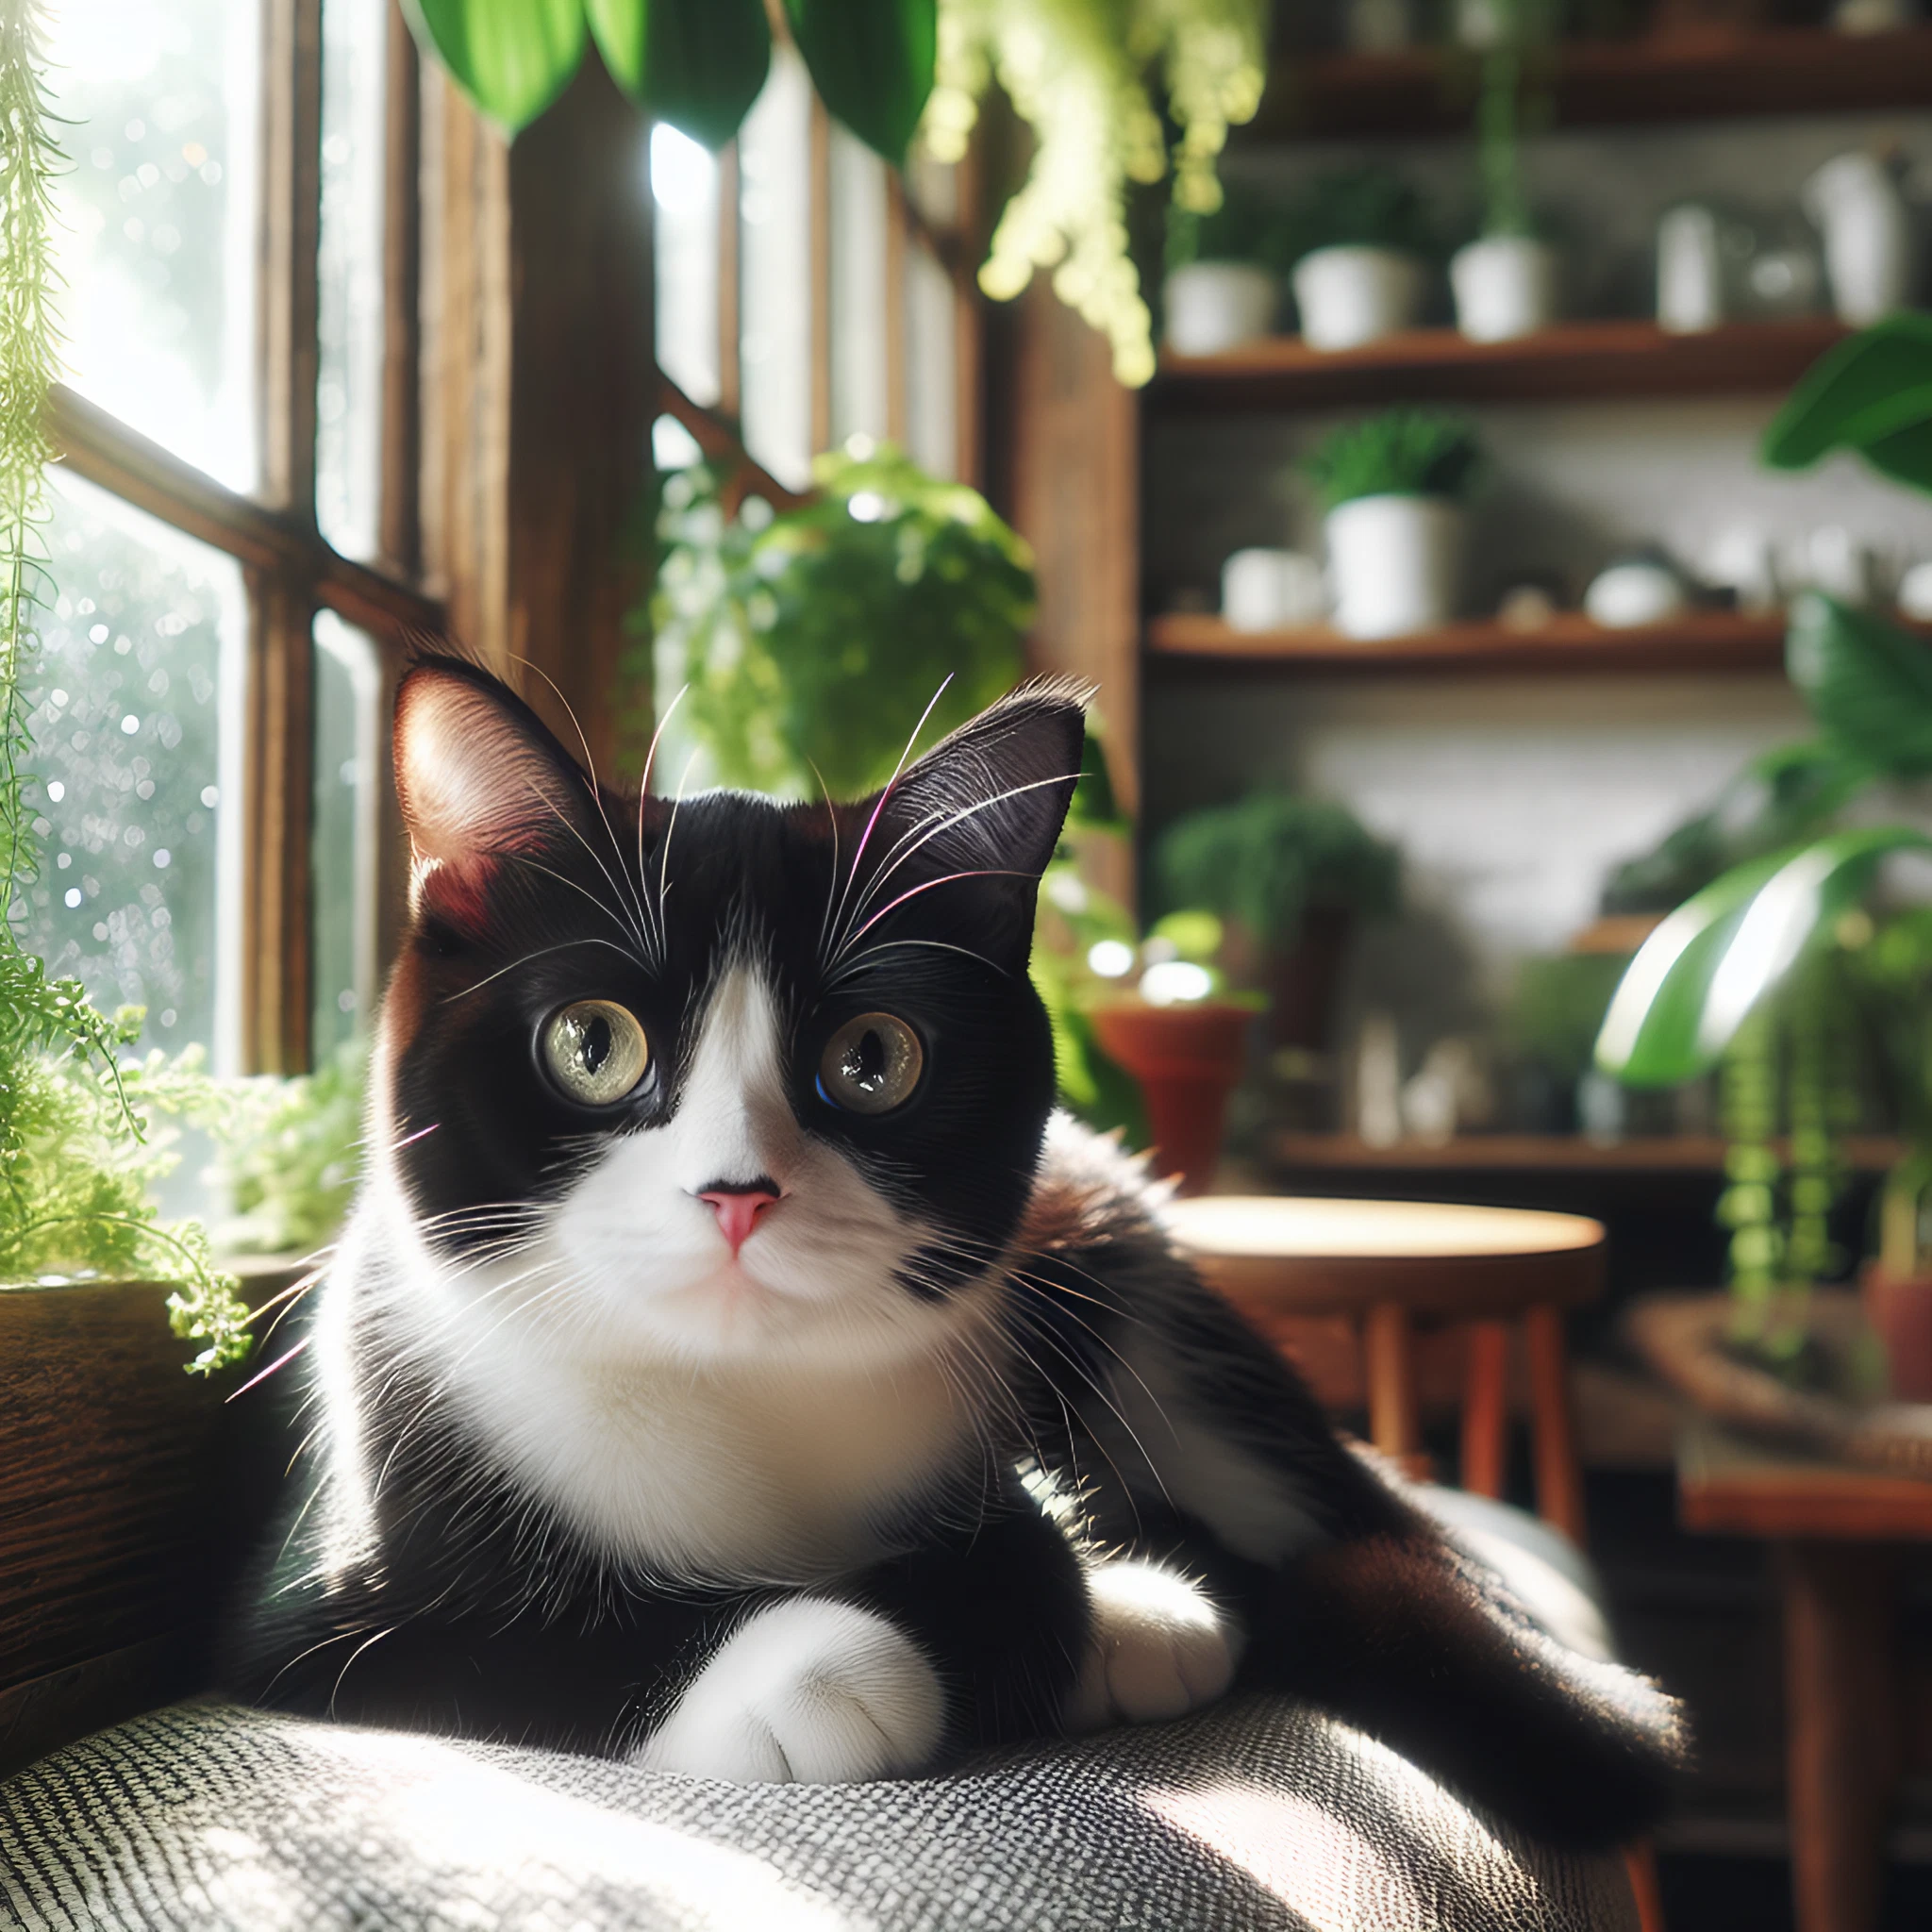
[645, 792]
[876, 883]
[540, 953]
[665, 852]
[859, 851]
[627, 889]
[849, 967]
[623, 926]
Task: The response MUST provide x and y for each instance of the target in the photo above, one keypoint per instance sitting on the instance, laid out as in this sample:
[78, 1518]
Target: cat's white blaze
[807, 1692]
[718, 1419]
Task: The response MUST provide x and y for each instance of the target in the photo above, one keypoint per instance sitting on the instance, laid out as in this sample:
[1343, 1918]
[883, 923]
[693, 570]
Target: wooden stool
[1383, 1265]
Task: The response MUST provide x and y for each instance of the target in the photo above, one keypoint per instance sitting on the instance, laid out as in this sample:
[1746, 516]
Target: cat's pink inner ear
[472, 781]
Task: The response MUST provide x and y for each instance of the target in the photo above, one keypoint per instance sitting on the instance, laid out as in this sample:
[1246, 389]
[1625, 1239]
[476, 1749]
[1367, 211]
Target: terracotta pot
[1301, 980]
[1900, 1309]
[1188, 1059]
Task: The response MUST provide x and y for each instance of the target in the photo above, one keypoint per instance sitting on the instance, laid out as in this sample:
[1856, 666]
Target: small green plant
[807, 644]
[1265, 860]
[1513, 90]
[1367, 207]
[1400, 452]
[290, 1155]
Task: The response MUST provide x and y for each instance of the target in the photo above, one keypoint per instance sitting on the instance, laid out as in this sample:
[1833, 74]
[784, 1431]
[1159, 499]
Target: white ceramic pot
[1867, 235]
[1395, 563]
[1268, 589]
[1212, 305]
[1348, 296]
[1504, 286]
[1689, 271]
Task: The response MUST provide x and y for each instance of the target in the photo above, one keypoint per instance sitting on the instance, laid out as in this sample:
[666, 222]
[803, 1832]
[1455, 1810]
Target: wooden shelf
[1715, 74]
[1572, 360]
[1538, 1153]
[1699, 642]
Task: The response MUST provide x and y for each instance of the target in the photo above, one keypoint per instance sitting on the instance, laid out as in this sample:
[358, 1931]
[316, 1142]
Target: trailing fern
[76, 1162]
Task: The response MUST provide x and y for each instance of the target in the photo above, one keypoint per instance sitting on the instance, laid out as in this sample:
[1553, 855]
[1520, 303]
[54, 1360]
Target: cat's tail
[1399, 1634]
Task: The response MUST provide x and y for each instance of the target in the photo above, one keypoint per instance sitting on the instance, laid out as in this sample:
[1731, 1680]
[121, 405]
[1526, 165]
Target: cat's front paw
[805, 1692]
[1158, 1648]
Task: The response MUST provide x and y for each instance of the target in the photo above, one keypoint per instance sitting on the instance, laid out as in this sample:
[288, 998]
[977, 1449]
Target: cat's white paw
[1160, 1648]
[805, 1693]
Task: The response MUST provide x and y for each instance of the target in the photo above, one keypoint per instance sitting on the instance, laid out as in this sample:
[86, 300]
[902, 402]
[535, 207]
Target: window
[210, 704]
[807, 295]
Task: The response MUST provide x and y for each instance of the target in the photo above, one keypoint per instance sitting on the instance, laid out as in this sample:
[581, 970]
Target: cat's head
[721, 1077]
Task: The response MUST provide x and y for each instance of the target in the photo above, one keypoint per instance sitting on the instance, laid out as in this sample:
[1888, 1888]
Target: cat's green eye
[871, 1065]
[595, 1051]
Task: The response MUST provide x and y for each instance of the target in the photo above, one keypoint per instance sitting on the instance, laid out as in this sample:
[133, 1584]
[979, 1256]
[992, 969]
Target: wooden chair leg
[1486, 1407]
[1558, 1474]
[1394, 1413]
[1640, 1862]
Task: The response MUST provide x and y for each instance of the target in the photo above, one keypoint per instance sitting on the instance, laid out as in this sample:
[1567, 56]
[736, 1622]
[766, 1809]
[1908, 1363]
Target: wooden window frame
[290, 570]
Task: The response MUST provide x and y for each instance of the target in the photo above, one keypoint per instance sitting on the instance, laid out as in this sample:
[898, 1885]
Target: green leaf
[871, 62]
[1867, 682]
[621, 29]
[702, 64]
[1699, 974]
[512, 57]
[1872, 393]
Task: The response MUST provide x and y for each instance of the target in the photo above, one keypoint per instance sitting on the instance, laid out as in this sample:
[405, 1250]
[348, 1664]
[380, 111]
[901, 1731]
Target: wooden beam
[400, 523]
[95, 445]
[290, 222]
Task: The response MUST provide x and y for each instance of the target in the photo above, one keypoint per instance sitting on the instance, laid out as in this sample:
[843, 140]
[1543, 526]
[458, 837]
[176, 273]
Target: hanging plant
[1083, 75]
[1089, 77]
[76, 1161]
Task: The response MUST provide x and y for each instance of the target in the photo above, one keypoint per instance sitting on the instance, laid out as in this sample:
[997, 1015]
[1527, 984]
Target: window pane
[136, 700]
[348, 770]
[684, 185]
[775, 207]
[348, 389]
[158, 212]
[931, 392]
[858, 288]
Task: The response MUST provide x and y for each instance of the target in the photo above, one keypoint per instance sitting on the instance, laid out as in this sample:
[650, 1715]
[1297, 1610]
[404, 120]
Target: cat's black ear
[966, 832]
[478, 775]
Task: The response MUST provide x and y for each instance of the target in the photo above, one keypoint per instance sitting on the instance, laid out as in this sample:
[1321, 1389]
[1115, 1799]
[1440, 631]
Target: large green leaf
[698, 65]
[621, 29]
[1702, 970]
[871, 62]
[512, 57]
[1872, 393]
[1866, 681]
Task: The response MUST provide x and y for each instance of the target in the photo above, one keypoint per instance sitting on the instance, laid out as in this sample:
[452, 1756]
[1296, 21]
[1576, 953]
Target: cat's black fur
[467, 1603]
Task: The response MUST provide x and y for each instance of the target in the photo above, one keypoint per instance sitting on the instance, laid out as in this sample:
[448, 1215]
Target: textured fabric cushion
[1255, 1814]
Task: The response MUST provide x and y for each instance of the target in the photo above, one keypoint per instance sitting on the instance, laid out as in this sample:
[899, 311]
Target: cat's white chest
[708, 1478]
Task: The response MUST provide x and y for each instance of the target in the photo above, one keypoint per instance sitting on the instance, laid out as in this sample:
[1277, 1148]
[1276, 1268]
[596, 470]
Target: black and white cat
[733, 1363]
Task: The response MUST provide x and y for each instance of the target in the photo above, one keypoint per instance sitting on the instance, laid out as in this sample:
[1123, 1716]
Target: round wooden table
[1383, 1265]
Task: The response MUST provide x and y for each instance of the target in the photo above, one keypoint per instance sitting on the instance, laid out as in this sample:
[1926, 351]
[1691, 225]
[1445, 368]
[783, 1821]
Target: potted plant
[1291, 875]
[1782, 939]
[1393, 487]
[1504, 282]
[1357, 247]
[805, 644]
[1221, 288]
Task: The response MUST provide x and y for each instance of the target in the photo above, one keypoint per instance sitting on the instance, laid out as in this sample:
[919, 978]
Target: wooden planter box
[130, 1492]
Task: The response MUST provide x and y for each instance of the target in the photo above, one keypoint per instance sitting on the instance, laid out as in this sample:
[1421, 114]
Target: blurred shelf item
[1540, 1154]
[1572, 360]
[1717, 72]
[1704, 640]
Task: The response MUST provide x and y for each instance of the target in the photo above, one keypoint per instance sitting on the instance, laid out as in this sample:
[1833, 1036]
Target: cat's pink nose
[738, 1206]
